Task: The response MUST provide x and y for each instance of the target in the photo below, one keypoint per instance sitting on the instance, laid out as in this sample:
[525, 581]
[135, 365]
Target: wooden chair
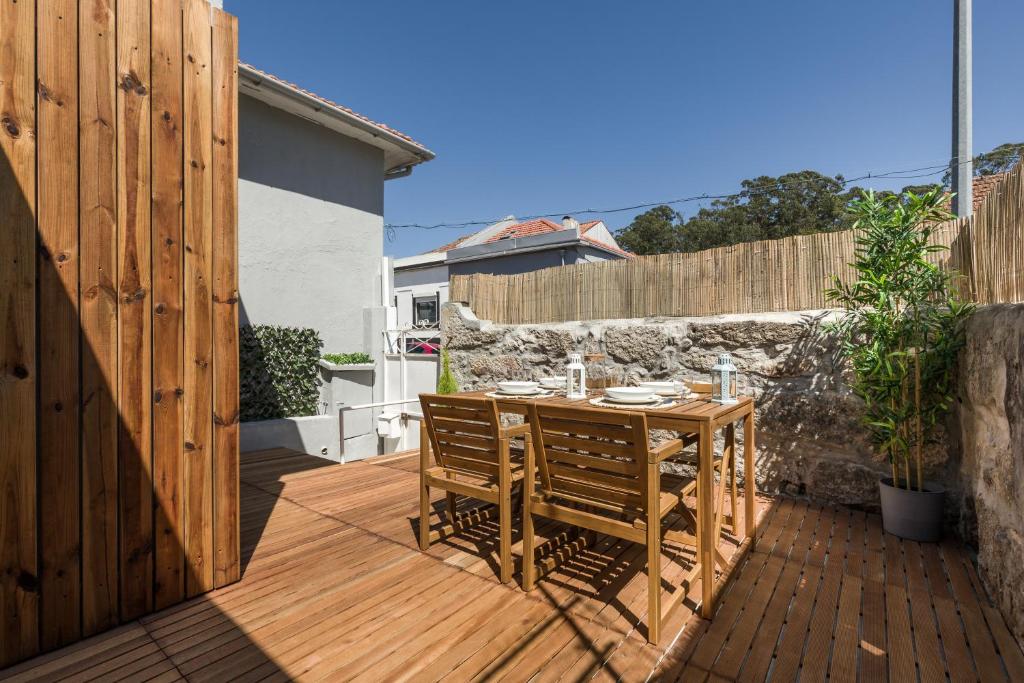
[472, 457]
[597, 472]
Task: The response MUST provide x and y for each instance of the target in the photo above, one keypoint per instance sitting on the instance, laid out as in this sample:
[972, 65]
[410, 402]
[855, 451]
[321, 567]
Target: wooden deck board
[334, 587]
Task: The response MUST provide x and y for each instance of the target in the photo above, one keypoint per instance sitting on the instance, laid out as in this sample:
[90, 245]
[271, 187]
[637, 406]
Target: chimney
[570, 223]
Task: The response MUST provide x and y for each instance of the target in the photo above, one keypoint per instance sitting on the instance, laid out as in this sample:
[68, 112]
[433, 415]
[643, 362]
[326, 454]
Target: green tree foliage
[999, 160]
[446, 383]
[656, 231]
[902, 327]
[769, 208]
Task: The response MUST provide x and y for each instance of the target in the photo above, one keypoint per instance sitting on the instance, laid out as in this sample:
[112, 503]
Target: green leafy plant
[278, 375]
[353, 358]
[446, 383]
[902, 327]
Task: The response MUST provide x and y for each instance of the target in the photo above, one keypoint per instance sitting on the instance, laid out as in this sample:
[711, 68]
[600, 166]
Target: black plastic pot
[914, 515]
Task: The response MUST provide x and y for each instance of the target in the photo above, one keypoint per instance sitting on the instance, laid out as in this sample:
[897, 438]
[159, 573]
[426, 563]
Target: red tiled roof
[609, 247]
[535, 227]
[539, 226]
[376, 124]
[982, 187]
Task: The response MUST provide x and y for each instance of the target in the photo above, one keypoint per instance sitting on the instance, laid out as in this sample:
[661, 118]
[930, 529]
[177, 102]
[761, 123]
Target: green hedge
[279, 375]
[354, 358]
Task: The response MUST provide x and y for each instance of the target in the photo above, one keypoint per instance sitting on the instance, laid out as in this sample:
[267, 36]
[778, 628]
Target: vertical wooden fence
[789, 274]
[118, 313]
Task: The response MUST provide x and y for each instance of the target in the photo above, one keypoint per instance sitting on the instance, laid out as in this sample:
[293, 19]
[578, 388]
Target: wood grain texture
[98, 312]
[168, 318]
[134, 315]
[92, 318]
[58, 334]
[19, 632]
[227, 563]
[198, 144]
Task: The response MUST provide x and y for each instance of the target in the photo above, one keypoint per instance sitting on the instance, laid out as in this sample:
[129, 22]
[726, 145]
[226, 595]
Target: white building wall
[310, 242]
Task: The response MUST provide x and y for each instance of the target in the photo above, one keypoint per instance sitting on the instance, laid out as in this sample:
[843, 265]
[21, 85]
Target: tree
[653, 232]
[768, 208]
[999, 160]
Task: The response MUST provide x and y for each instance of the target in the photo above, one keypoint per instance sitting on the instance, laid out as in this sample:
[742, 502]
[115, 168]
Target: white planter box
[316, 435]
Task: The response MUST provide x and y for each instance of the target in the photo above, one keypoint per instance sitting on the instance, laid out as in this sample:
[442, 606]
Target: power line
[903, 174]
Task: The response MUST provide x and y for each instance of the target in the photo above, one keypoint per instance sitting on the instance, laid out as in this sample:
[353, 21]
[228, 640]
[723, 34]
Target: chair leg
[424, 489]
[424, 513]
[505, 532]
[526, 490]
[653, 556]
[452, 514]
[735, 525]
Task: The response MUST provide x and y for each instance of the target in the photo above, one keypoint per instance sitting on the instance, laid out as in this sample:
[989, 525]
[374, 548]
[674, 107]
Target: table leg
[705, 517]
[749, 486]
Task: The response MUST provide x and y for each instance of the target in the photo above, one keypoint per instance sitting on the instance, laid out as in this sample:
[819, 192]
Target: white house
[310, 240]
[506, 247]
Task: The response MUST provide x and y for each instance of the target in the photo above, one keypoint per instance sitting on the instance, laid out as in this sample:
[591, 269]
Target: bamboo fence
[788, 274]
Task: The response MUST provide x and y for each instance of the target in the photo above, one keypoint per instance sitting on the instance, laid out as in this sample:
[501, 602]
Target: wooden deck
[334, 588]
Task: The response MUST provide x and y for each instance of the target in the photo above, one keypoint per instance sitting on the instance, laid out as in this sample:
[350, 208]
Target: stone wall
[989, 440]
[808, 437]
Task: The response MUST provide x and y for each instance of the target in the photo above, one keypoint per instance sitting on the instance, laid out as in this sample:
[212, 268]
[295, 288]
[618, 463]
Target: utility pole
[962, 164]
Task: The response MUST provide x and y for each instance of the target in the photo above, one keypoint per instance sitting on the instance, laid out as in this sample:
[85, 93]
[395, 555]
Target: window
[424, 311]
[429, 346]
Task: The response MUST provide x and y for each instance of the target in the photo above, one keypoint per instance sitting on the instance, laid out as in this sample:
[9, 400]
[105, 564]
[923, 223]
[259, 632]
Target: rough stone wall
[809, 441]
[990, 442]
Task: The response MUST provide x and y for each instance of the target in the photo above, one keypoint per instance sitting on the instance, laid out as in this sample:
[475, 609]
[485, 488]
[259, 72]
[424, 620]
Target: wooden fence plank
[134, 316]
[168, 322]
[198, 469]
[227, 563]
[58, 332]
[98, 313]
[788, 274]
[19, 631]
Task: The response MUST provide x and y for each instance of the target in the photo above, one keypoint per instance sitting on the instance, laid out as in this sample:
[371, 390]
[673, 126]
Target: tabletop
[698, 409]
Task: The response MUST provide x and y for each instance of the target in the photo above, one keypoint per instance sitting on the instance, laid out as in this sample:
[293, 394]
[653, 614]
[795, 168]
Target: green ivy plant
[903, 325]
[354, 358]
[446, 383]
[278, 371]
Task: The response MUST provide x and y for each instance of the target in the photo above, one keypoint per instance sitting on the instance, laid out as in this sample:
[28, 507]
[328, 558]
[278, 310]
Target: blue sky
[537, 107]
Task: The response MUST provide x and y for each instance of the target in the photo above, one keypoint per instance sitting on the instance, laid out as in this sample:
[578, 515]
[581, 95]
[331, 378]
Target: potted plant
[446, 383]
[901, 331]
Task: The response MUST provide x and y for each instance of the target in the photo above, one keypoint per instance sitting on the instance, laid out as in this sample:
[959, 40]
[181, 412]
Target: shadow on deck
[334, 587]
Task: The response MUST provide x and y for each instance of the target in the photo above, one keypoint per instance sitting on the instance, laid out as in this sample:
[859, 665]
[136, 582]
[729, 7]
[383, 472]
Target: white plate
[532, 394]
[516, 387]
[651, 400]
[658, 402]
[662, 388]
[630, 394]
[553, 382]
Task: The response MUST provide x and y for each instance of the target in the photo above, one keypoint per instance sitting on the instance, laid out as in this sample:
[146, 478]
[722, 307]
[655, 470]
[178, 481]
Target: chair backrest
[464, 432]
[594, 456]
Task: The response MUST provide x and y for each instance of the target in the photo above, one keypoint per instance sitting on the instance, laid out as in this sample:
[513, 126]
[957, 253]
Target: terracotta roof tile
[982, 187]
[534, 227]
[376, 124]
[609, 247]
[584, 227]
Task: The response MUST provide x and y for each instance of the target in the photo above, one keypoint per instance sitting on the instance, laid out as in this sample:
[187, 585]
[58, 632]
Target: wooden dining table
[699, 419]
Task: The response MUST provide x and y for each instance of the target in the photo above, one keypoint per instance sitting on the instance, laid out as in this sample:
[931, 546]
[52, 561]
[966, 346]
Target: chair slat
[595, 446]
